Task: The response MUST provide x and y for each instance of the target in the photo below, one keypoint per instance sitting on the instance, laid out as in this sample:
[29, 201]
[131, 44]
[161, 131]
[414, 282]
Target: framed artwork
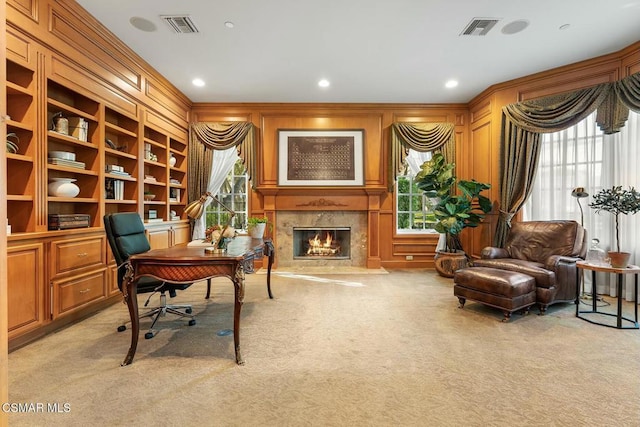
[321, 157]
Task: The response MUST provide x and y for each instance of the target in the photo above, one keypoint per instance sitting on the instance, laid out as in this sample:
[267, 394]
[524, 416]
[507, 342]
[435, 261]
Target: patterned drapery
[523, 122]
[421, 137]
[207, 137]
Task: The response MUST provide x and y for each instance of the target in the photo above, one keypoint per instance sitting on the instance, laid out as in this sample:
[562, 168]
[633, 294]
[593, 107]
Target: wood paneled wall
[478, 128]
[386, 248]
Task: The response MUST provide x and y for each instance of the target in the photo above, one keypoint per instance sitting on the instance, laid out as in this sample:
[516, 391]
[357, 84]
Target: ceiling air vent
[479, 26]
[181, 24]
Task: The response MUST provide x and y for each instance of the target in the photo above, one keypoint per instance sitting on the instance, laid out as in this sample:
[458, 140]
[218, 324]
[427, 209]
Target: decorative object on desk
[617, 201]
[256, 226]
[172, 160]
[579, 193]
[453, 213]
[60, 123]
[63, 187]
[12, 143]
[195, 209]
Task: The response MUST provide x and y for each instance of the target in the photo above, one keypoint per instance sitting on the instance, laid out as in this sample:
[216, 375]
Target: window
[414, 211]
[233, 194]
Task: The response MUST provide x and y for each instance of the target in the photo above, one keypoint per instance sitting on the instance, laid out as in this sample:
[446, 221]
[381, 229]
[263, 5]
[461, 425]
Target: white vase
[172, 161]
[63, 187]
[256, 231]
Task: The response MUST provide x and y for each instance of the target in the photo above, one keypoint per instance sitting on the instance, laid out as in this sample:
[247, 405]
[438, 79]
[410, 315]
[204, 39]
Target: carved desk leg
[238, 284]
[130, 290]
[270, 252]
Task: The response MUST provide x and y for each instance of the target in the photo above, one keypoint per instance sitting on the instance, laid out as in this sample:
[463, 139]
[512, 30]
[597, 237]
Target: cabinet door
[25, 288]
[181, 234]
[159, 238]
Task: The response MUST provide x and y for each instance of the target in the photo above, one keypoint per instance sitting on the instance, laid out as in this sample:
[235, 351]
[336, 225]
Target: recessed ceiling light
[229, 24]
[324, 83]
[451, 84]
[142, 24]
[198, 82]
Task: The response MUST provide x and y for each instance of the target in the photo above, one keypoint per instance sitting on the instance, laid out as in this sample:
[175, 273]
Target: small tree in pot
[617, 201]
[453, 212]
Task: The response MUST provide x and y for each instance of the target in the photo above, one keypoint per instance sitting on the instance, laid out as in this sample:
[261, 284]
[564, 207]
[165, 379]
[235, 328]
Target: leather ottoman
[506, 290]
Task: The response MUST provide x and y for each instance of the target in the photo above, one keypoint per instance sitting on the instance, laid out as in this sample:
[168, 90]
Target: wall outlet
[409, 257]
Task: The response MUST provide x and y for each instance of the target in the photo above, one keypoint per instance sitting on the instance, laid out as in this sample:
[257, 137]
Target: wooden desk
[182, 264]
[631, 269]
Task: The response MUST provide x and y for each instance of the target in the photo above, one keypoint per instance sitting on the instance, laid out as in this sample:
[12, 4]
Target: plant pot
[619, 259]
[256, 231]
[447, 263]
[63, 187]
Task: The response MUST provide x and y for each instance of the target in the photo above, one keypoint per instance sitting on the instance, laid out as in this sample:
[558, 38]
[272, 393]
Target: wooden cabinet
[26, 290]
[167, 235]
[69, 120]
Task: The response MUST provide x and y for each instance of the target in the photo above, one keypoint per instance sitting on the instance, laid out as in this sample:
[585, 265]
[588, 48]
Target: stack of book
[65, 162]
[116, 170]
[114, 189]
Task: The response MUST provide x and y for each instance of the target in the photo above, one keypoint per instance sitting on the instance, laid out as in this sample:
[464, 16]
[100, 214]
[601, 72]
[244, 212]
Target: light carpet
[340, 350]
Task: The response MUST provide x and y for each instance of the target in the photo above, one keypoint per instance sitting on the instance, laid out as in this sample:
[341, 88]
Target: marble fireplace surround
[287, 220]
[356, 208]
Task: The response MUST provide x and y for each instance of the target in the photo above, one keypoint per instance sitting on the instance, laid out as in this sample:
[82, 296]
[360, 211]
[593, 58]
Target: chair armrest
[491, 252]
[556, 261]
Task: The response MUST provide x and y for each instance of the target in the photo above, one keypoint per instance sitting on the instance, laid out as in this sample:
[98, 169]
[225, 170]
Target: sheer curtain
[223, 161]
[582, 156]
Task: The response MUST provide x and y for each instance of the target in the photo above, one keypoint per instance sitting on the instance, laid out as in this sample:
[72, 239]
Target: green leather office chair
[126, 235]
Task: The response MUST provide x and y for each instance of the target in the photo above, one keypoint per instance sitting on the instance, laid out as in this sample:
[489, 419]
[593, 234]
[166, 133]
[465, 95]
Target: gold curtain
[421, 137]
[523, 122]
[205, 138]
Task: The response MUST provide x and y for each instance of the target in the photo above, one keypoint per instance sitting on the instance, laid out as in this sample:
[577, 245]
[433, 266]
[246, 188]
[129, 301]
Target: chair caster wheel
[148, 335]
[122, 328]
[188, 310]
[192, 322]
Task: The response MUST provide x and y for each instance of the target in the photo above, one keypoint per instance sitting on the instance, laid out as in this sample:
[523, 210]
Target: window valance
[205, 139]
[523, 122]
[421, 137]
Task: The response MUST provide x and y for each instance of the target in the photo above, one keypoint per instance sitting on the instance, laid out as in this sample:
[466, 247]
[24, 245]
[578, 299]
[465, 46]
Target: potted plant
[256, 226]
[617, 201]
[453, 212]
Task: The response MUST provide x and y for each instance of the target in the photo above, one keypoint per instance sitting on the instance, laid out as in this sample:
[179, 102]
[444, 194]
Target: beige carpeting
[336, 350]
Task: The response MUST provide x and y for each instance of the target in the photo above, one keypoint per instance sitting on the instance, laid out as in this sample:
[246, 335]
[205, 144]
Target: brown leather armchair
[546, 251]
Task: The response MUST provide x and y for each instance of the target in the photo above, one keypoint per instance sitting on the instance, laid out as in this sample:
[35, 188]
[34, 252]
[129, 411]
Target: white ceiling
[373, 51]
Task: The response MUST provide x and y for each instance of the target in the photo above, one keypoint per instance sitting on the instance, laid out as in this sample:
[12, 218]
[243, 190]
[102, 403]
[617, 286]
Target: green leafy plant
[617, 201]
[453, 212]
[253, 220]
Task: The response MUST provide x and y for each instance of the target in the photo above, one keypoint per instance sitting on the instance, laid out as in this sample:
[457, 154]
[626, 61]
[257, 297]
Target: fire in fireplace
[313, 242]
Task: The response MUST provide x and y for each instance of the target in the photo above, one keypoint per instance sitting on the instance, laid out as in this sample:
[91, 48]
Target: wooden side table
[630, 269]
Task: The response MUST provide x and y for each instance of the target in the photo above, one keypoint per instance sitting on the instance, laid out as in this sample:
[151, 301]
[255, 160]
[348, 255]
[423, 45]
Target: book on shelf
[78, 128]
[114, 189]
[154, 220]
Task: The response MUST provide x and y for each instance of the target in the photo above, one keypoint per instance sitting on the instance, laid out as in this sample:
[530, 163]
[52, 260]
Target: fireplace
[321, 243]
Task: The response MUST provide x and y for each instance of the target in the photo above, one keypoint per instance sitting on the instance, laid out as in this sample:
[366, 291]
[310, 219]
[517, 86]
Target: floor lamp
[579, 193]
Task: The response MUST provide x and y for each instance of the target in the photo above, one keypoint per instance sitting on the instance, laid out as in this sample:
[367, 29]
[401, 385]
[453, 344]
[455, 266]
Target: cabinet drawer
[68, 255]
[72, 294]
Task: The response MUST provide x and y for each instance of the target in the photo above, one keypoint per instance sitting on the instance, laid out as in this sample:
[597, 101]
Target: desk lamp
[195, 209]
[579, 193]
